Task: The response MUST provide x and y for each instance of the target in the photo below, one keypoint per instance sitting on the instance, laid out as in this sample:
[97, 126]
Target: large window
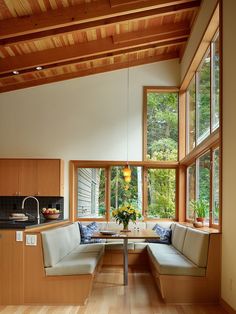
[203, 181]
[161, 120]
[203, 185]
[203, 98]
[191, 96]
[161, 193]
[99, 187]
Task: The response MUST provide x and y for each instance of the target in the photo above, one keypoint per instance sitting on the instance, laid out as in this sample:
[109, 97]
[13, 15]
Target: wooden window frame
[75, 164]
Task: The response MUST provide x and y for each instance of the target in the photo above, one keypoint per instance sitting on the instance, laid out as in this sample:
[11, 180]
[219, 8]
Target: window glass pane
[203, 180]
[91, 193]
[122, 192]
[161, 193]
[191, 171]
[162, 126]
[215, 192]
[191, 115]
[203, 100]
[215, 83]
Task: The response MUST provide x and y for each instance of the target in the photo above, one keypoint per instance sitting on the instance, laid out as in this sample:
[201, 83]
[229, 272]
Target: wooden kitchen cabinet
[9, 177]
[39, 177]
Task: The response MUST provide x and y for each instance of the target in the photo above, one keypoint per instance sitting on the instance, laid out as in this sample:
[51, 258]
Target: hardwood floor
[109, 296]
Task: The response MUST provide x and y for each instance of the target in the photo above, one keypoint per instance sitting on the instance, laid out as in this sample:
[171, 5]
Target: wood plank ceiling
[43, 41]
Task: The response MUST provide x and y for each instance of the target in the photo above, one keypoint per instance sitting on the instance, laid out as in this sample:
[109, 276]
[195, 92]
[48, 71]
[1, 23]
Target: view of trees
[162, 145]
[122, 192]
[162, 126]
[161, 193]
[203, 96]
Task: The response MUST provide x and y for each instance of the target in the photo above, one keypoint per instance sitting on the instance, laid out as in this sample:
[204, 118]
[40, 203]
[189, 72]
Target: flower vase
[125, 227]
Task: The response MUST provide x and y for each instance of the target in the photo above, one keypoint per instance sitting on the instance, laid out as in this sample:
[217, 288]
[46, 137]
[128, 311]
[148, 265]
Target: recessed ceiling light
[39, 68]
[15, 72]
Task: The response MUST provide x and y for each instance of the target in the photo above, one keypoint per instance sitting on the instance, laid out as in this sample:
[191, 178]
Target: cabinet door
[28, 177]
[50, 177]
[9, 177]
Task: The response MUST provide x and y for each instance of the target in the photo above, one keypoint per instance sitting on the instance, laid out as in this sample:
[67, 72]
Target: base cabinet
[39, 177]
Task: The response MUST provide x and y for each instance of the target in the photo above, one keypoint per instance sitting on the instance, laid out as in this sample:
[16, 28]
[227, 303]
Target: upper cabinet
[39, 177]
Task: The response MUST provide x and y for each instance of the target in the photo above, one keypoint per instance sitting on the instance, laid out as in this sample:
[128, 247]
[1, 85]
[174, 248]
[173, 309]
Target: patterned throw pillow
[87, 231]
[164, 233]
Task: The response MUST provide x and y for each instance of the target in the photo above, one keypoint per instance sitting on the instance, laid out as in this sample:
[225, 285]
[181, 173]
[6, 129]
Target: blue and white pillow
[164, 233]
[86, 231]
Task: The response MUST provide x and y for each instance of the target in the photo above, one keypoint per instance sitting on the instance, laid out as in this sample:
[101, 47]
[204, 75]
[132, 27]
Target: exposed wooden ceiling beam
[61, 54]
[149, 34]
[178, 8]
[88, 72]
[177, 42]
[74, 15]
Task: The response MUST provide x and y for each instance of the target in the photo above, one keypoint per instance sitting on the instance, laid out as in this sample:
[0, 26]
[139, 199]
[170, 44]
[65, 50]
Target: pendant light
[127, 170]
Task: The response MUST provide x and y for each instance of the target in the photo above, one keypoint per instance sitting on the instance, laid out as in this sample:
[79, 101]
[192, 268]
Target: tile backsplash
[10, 204]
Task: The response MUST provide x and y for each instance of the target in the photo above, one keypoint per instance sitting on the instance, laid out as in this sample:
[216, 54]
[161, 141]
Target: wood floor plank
[109, 296]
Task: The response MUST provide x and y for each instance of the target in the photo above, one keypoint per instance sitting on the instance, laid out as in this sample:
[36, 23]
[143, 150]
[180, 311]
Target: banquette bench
[187, 270]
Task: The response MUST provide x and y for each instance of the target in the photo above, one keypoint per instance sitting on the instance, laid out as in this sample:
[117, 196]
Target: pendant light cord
[127, 116]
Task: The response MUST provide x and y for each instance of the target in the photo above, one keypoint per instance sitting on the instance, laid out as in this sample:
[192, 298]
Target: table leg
[125, 262]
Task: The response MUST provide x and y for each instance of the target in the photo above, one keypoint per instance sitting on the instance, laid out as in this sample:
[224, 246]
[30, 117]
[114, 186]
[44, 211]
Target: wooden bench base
[42, 289]
[192, 289]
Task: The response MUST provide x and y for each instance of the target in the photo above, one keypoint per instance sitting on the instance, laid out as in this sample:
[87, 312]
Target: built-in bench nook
[187, 270]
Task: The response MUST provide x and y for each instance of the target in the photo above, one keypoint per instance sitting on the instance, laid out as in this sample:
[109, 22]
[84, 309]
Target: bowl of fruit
[50, 213]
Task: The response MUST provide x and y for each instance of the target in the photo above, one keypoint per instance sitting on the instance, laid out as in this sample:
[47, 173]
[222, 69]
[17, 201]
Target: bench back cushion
[178, 236]
[196, 246]
[59, 242]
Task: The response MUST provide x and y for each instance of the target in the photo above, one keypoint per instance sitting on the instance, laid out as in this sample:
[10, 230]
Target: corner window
[215, 187]
[203, 185]
[203, 97]
[215, 82]
[191, 113]
[191, 188]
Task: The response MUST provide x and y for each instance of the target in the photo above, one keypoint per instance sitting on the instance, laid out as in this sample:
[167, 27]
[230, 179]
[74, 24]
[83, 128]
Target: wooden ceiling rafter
[176, 42]
[91, 37]
[86, 72]
[93, 48]
[106, 22]
[81, 13]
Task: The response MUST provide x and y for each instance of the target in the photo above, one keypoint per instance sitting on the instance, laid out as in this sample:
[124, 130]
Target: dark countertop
[13, 224]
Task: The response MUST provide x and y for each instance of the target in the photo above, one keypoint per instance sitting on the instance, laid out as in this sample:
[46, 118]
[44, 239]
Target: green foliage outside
[162, 126]
[161, 193]
[162, 145]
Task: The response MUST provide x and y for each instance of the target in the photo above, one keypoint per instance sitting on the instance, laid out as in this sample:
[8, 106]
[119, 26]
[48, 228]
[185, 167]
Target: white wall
[229, 153]
[83, 118]
[200, 25]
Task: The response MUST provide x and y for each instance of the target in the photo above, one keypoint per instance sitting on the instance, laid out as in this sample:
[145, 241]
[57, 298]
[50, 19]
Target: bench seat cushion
[75, 264]
[196, 246]
[87, 248]
[59, 242]
[169, 261]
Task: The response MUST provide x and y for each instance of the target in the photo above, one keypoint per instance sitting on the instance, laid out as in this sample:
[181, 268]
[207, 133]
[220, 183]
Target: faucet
[23, 204]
